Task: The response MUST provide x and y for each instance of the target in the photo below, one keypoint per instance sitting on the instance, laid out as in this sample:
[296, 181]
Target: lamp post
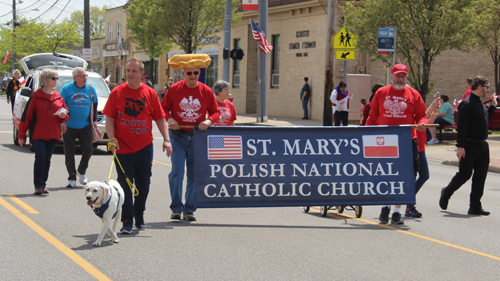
[14, 22]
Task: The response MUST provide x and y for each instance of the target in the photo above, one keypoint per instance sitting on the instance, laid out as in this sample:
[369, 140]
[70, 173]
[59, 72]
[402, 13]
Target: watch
[167, 139]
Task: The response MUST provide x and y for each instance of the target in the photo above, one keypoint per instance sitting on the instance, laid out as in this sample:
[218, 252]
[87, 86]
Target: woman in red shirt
[227, 111]
[46, 111]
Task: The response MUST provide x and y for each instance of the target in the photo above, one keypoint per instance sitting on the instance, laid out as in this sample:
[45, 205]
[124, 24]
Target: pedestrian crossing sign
[344, 39]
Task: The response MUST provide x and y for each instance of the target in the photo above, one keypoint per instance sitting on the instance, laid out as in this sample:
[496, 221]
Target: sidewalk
[444, 152]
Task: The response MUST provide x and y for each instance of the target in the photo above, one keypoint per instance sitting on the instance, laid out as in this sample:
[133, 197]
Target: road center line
[23, 205]
[158, 162]
[56, 243]
[337, 215]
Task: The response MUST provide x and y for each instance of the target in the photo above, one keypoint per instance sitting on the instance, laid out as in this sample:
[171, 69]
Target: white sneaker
[433, 141]
[82, 178]
[71, 184]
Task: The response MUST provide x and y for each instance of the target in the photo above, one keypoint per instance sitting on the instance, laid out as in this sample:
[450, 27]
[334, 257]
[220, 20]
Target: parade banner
[303, 166]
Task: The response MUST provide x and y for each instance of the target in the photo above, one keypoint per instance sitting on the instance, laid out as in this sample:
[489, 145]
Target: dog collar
[101, 210]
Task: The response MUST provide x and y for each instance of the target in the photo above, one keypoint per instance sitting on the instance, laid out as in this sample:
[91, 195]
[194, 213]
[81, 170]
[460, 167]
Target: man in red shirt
[130, 111]
[398, 104]
[186, 105]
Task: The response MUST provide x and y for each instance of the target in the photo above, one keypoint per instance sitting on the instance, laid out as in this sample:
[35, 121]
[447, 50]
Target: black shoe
[304, 118]
[477, 212]
[176, 215]
[189, 216]
[396, 219]
[384, 215]
[127, 228]
[412, 212]
[139, 223]
[443, 201]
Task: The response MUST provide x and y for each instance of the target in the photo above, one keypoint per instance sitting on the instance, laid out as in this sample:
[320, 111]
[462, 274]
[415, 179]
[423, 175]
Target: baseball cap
[145, 76]
[399, 68]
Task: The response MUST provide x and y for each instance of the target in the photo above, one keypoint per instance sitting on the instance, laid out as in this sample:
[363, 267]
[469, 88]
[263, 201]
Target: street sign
[343, 39]
[87, 54]
[386, 41]
[345, 54]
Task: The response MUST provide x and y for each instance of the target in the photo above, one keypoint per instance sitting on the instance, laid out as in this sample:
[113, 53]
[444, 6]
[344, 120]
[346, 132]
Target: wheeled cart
[358, 210]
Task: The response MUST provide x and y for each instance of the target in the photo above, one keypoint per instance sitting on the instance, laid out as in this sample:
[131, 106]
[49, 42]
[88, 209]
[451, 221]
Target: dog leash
[133, 188]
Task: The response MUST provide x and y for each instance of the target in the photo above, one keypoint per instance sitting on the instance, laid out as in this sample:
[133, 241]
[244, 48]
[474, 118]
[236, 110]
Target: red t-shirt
[391, 107]
[467, 93]
[227, 113]
[133, 111]
[421, 139]
[189, 106]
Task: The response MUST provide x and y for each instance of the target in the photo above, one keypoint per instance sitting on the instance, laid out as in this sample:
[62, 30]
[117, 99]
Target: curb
[492, 169]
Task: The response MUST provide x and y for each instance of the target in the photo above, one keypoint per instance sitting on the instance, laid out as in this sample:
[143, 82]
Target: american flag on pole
[224, 147]
[258, 35]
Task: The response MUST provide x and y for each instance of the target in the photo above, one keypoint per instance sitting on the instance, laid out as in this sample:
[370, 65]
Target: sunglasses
[195, 73]
[54, 78]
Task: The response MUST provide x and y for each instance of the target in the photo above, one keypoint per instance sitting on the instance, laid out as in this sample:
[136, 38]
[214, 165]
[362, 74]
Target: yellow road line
[52, 240]
[338, 215]
[22, 204]
[158, 162]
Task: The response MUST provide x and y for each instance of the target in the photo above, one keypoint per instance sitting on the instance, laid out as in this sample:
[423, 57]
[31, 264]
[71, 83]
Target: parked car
[494, 124]
[64, 65]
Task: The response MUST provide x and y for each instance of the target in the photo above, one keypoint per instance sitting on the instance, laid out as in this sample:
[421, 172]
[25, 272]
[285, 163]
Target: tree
[191, 23]
[97, 21]
[489, 37]
[145, 30]
[425, 28]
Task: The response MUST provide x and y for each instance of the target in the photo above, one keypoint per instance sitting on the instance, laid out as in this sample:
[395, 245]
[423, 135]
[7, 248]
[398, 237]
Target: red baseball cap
[399, 68]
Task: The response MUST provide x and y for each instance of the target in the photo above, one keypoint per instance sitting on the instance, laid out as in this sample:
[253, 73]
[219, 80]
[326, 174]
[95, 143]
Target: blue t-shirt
[78, 102]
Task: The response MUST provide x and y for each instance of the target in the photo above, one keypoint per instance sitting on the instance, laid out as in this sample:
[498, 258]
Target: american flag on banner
[258, 35]
[224, 147]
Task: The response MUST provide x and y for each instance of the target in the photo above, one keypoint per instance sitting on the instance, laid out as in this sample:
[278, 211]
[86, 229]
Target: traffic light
[237, 54]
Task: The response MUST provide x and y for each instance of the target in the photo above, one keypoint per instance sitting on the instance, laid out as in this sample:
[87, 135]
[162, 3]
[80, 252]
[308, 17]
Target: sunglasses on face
[54, 78]
[190, 73]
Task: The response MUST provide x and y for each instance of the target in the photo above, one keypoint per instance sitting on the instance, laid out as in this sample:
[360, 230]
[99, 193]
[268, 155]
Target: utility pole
[14, 22]
[329, 54]
[86, 24]
[263, 10]
[227, 40]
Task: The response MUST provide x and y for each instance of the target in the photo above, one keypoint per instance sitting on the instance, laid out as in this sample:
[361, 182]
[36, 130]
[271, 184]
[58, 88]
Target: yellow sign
[344, 39]
[345, 54]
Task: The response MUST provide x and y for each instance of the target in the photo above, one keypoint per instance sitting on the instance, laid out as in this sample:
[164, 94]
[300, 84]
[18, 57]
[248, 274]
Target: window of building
[178, 75]
[275, 71]
[236, 65]
[117, 77]
[110, 32]
[212, 71]
[119, 30]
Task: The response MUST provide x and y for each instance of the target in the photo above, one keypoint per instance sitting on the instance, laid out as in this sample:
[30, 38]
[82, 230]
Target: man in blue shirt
[305, 93]
[77, 96]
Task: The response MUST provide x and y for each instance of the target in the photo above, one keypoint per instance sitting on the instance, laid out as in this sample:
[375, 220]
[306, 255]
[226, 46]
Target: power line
[60, 13]
[45, 11]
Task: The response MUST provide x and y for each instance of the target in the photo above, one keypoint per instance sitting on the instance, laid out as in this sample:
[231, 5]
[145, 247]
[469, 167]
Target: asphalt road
[50, 237]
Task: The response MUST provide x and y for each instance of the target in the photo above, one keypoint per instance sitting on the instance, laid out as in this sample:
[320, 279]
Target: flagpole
[262, 117]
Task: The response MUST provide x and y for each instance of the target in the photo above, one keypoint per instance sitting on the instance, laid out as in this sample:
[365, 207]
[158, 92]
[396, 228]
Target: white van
[64, 65]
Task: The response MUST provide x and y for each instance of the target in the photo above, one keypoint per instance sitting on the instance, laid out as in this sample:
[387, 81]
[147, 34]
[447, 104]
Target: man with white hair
[77, 96]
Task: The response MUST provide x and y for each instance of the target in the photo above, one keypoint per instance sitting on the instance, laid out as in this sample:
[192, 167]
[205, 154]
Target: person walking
[13, 86]
[305, 93]
[227, 111]
[130, 111]
[340, 98]
[45, 112]
[186, 105]
[398, 104]
[79, 97]
[473, 152]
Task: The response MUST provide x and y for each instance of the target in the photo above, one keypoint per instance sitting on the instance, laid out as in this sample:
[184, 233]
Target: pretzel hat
[190, 61]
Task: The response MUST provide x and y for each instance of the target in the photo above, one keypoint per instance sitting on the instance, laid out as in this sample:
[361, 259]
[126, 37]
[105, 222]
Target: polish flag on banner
[250, 5]
[258, 35]
[381, 146]
[224, 147]
[6, 59]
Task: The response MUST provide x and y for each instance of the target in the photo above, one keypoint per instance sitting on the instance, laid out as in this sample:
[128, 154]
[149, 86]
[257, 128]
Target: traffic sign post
[345, 54]
[345, 44]
[387, 44]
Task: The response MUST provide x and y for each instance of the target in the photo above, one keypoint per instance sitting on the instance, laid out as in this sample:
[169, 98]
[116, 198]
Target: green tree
[489, 37]
[97, 21]
[191, 23]
[425, 28]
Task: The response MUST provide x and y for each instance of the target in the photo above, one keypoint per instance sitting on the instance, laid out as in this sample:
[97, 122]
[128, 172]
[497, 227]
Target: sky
[46, 10]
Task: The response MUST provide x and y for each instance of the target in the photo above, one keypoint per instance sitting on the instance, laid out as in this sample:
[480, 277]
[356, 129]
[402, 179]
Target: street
[50, 237]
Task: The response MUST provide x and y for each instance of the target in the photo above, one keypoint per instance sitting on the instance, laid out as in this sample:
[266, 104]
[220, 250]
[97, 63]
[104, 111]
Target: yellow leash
[134, 189]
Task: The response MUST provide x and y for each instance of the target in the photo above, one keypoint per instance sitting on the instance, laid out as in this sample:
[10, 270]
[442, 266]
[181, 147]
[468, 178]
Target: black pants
[12, 101]
[341, 116]
[84, 136]
[477, 158]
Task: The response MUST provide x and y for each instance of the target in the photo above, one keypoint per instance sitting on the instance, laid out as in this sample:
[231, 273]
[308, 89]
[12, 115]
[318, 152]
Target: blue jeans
[137, 166]
[423, 173]
[304, 107]
[43, 154]
[183, 153]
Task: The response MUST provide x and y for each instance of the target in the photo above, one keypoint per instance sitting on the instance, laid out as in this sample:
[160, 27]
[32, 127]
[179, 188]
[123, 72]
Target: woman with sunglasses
[46, 111]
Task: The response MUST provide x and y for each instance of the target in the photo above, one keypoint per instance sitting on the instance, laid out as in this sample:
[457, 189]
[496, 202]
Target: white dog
[106, 199]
